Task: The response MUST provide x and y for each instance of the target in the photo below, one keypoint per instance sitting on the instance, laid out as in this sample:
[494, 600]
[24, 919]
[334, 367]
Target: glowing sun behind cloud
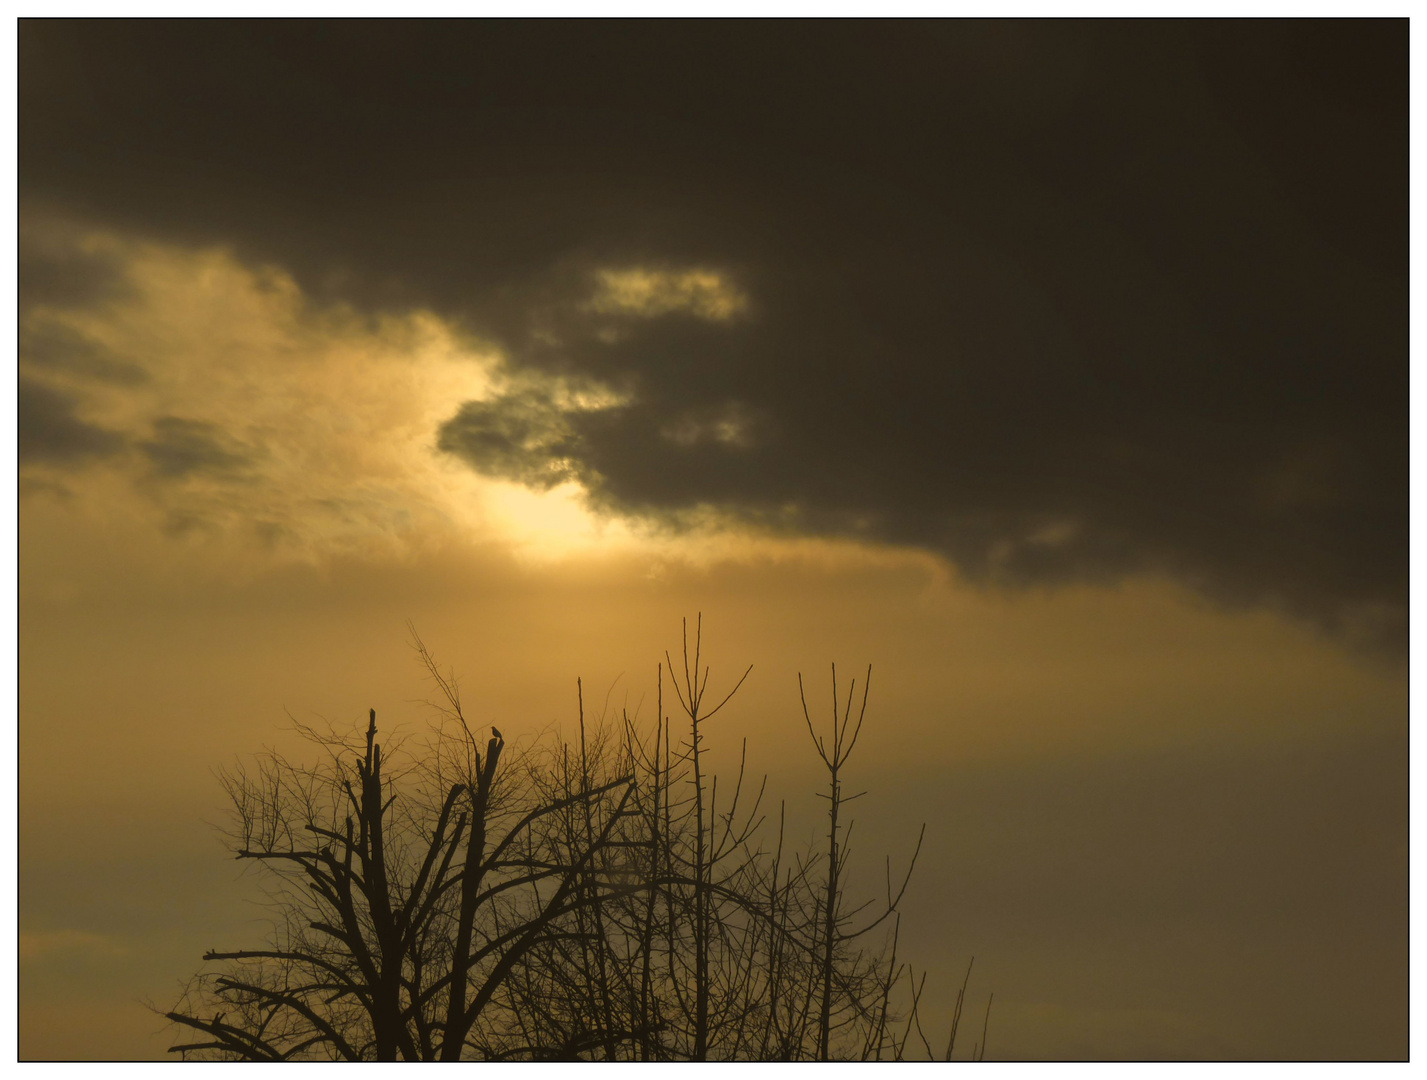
[251, 411]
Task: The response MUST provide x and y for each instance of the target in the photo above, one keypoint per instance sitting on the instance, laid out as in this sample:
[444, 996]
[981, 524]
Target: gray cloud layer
[1059, 301]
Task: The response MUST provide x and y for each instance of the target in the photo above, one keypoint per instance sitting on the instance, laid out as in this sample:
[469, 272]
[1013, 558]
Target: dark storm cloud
[183, 447]
[50, 432]
[1059, 301]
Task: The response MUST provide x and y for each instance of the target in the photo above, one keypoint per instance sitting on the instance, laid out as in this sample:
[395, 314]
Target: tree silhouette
[593, 901]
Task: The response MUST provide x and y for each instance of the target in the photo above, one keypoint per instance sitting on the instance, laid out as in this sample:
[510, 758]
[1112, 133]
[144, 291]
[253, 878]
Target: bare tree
[854, 986]
[591, 900]
[402, 918]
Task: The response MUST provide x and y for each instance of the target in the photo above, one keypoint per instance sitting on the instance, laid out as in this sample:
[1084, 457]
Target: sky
[1058, 370]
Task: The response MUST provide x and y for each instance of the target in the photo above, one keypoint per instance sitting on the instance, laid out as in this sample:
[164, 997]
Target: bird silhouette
[496, 732]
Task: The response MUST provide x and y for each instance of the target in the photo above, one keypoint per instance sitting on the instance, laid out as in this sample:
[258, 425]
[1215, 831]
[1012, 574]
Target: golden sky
[1134, 599]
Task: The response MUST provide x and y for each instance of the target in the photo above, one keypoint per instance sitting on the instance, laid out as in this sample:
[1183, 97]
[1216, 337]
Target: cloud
[182, 447]
[522, 436]
[51, 432]
[57, 267]
[651, 293]
[1038, 457]
[59, 349]
[1056, 303]
[279, 428]
[731, 424]
[326, 419]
